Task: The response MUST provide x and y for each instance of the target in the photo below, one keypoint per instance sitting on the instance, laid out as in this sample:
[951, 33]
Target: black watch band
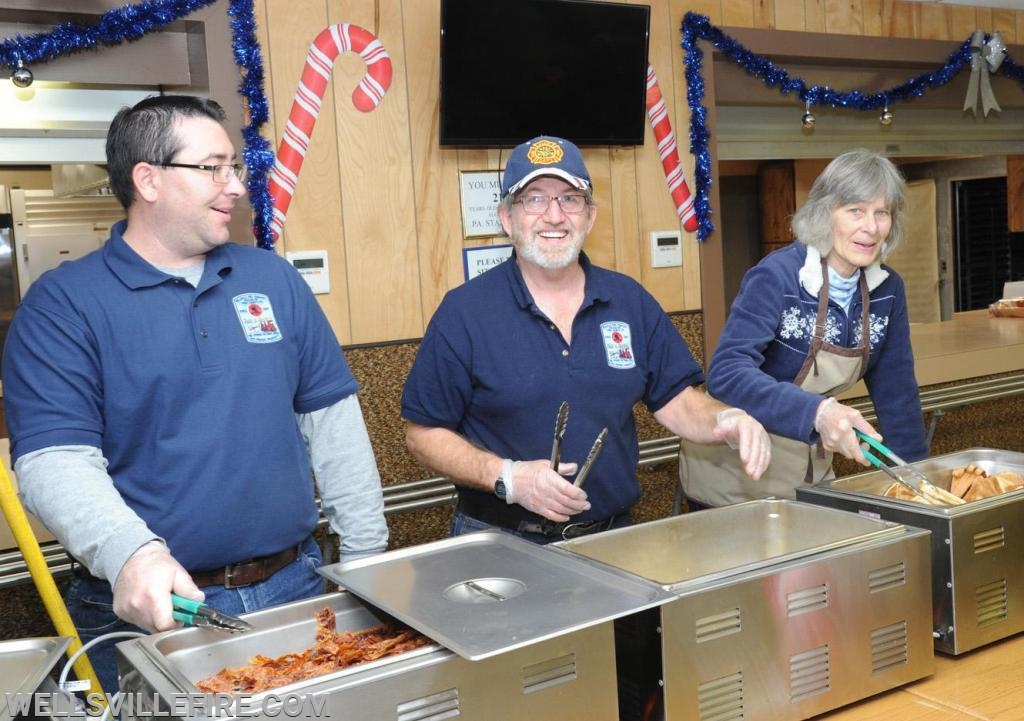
[503, 482]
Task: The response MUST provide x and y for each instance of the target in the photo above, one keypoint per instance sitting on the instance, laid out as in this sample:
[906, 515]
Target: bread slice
[900, 492]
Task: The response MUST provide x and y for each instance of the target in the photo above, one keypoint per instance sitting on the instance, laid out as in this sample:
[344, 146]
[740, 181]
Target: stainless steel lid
[489, 592]
[25, 662]
[722, 542]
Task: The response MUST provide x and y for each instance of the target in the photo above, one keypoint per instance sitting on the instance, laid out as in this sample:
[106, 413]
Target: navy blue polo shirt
[494, 369]
[190, 393]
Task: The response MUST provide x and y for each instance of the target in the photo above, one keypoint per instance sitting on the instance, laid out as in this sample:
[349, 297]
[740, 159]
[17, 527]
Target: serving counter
[971, 345]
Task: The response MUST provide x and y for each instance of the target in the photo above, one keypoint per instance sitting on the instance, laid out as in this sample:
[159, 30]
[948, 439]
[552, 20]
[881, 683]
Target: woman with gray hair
[810, 321]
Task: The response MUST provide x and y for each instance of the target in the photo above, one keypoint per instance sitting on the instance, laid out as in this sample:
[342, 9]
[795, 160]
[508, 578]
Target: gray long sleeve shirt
[69, 489]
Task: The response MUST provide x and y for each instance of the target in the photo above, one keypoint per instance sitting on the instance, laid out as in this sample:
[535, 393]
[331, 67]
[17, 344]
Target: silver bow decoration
[985, 59]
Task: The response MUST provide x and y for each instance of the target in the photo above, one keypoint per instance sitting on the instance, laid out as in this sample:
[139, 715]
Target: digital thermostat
[666, 249]
[312, 266]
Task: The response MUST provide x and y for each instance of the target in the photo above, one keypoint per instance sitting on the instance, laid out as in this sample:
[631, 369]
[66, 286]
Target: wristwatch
[504, 481]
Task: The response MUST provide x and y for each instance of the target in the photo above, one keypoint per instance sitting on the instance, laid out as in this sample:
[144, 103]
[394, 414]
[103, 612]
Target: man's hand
[142, 592]
[536, 487]
[835, 422]
[739, 429]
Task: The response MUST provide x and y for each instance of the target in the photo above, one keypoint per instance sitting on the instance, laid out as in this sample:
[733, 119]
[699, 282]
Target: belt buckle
[248, 570]
[548, 527]
[583, 528]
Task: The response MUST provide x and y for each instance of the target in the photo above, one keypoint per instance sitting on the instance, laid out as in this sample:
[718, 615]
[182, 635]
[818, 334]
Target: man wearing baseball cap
[506, 349]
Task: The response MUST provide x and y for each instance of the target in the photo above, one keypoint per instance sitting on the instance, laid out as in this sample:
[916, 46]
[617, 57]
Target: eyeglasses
[539, 204]
[221, 173]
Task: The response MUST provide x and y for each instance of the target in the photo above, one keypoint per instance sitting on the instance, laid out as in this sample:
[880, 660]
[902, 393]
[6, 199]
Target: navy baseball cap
[544, 155]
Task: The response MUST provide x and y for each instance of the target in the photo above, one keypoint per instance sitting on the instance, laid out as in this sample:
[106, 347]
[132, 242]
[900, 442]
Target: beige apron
[714, 475]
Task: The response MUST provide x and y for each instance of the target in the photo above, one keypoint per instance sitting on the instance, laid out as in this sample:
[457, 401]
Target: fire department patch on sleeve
[257, 318]
[617, 344]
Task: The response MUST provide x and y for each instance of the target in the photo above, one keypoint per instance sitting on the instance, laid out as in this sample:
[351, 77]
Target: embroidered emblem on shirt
[617, 346]
[257, 318]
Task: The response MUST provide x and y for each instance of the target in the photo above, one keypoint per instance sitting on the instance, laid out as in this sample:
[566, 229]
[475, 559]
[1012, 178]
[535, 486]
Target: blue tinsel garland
[698, 27]
[114, 27]
[131, 22]
[257, 152]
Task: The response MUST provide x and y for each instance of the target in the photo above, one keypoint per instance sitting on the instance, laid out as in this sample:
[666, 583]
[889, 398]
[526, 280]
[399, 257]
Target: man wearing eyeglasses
[504, 350]
[171, 396]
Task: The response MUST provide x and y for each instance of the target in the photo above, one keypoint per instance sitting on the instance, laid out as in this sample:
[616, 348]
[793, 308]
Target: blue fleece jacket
[767, 337]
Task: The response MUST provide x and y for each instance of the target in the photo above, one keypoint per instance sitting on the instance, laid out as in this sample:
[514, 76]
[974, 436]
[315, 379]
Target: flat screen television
[515, 69]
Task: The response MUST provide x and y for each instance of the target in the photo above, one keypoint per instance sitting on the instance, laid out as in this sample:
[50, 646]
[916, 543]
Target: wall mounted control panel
[312, 266]
[666, 249]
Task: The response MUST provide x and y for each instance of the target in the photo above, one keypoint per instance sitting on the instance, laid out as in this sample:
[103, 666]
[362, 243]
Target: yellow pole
[41, 576]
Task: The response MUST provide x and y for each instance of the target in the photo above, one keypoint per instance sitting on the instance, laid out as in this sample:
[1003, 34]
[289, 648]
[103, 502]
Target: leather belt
[568, 529]
[245, 573]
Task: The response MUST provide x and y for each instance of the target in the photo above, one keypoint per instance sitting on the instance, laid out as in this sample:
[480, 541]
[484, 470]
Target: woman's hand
[835, 422]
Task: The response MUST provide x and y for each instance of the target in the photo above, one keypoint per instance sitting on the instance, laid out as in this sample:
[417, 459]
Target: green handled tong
[196, 613]
[920, 485]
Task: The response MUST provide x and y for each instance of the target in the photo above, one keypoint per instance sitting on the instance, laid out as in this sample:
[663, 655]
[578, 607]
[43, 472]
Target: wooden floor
[984, 685]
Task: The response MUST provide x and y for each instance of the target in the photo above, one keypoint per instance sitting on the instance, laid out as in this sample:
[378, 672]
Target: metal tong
[561, 421]
[196, 613]
[918, 484]
[595, 450]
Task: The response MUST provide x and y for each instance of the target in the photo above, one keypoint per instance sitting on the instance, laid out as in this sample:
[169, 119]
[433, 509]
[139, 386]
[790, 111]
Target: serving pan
[25, 664]
[784, 610]
[977, 549]
[555, 678]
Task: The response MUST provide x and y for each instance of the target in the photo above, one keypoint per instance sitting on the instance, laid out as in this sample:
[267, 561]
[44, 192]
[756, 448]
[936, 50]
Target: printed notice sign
[480, 192]
[482, 259]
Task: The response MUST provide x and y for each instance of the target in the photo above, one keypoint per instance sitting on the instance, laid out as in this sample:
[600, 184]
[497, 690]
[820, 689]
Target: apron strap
[865, 325]
[818, 334]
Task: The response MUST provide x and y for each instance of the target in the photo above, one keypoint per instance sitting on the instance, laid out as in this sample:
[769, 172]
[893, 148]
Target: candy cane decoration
[662, 127]
[327, 46]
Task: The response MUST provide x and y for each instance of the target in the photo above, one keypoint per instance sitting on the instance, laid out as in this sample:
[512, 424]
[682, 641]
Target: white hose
[74, 657]
[85, 647]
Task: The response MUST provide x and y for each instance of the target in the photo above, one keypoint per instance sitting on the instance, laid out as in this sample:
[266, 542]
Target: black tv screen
[515, 69]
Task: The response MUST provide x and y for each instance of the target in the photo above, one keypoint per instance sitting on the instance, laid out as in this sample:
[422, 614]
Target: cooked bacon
[332, 651]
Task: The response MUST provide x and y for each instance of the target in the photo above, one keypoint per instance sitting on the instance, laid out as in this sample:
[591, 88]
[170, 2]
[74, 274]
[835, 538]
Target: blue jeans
[91, 605]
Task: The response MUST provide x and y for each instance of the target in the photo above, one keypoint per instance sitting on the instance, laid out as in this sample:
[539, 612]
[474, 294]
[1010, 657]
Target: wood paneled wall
[382, 197]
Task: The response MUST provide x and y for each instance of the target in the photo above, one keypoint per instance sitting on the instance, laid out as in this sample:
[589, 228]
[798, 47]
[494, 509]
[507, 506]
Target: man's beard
[532, 250]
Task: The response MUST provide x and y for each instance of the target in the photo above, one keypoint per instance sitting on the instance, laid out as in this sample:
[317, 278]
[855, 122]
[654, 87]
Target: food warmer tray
[784, 610]
[977, 549]
[557, 676]
[25, 664]
[546, 651]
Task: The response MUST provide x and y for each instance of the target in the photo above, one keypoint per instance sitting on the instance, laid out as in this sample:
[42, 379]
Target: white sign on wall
[480, 192]
[482, 259]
